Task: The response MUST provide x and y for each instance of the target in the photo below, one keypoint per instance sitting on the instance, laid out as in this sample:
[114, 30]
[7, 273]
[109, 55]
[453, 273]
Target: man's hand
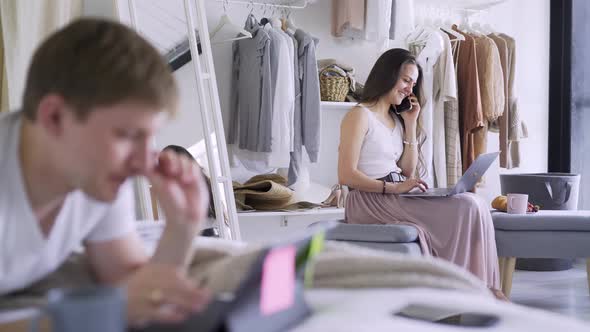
[162, 293]
[180, 188]
[183, 195]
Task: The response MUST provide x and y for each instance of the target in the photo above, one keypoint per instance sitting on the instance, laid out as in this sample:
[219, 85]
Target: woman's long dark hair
[182, 151]
[382, 78]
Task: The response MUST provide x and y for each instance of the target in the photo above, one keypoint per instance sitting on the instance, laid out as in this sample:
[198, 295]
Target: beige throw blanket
[340, 265]
[221, 265]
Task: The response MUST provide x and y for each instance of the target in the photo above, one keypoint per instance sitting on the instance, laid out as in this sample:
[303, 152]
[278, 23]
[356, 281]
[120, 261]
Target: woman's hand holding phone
[413, 112]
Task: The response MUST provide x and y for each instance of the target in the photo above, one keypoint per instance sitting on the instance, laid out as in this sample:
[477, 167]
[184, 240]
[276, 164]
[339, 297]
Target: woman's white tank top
[382, 147]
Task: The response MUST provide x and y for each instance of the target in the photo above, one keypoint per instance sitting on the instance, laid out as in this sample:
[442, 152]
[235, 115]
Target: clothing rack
[180, 55]
[288, 5]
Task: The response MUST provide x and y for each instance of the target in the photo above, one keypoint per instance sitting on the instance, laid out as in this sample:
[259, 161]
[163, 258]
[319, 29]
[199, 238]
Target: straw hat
[262, 192]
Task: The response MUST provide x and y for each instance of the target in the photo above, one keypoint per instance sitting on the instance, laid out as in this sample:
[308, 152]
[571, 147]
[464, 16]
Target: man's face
[110, 145]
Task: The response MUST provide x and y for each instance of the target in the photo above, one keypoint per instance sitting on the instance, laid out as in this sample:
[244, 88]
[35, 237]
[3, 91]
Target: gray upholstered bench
[545, 234]
[395, 238]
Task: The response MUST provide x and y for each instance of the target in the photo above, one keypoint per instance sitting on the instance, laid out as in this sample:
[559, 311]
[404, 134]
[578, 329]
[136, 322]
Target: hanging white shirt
[283, 103]
[290, 84]
[26, 254]
[444, 90]
[427, 59]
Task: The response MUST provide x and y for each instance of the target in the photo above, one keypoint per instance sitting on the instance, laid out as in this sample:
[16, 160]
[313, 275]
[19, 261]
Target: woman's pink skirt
[458, 228]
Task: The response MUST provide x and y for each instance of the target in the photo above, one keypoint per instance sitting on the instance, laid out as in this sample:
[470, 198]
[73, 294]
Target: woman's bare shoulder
[355, 120]
[356, 113]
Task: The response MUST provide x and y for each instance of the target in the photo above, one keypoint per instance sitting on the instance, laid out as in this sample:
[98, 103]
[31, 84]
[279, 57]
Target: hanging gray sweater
[251, 100]
[310, 94]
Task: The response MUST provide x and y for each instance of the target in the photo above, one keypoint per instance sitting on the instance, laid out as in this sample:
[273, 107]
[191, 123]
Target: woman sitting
[379, 157]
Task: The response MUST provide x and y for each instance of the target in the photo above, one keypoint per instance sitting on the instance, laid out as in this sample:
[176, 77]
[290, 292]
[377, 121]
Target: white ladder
[214, 134]
[221, 182]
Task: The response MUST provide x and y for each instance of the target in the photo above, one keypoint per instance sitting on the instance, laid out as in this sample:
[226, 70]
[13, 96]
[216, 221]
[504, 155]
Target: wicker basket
[333, 88]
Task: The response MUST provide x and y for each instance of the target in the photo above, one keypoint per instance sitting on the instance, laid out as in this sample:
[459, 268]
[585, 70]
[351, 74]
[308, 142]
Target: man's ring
[156, 297]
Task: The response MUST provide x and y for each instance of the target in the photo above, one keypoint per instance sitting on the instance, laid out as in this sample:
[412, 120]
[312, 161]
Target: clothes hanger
[418, 29]
[455, 34]
[275, 20]
[425, 28]
[446, 27]
[226, 24]
[264, 20]
[421, 35]
[283, 18]
[465, 25]
[417, 33]
[251, 5]
[291, 27]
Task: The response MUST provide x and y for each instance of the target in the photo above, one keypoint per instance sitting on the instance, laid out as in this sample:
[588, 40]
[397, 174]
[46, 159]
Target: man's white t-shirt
[26, 255]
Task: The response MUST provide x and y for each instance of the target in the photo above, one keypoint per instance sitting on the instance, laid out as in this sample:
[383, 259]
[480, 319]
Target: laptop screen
[474, 172]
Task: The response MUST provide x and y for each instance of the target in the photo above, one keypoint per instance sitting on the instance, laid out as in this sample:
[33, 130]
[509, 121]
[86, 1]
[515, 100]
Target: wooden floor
[564, 292]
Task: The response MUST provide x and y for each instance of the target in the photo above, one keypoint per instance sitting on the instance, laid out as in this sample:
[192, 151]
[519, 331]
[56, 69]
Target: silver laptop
[465, 183]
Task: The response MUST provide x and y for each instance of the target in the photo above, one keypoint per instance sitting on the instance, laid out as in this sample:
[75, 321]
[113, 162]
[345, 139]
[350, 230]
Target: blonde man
[96, 92]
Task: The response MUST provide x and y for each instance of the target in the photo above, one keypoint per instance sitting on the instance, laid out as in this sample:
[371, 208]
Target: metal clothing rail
[269, 4]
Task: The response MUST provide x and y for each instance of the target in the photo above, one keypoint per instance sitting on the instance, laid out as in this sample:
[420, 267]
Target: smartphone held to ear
[405, 105]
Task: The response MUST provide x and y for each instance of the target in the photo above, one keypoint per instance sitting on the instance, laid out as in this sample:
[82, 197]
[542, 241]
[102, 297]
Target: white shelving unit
[337, 105]
[265, 226]
[262, 226]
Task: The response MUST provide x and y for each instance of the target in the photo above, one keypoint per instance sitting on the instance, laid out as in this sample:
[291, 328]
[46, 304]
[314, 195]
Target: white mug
[518, 203]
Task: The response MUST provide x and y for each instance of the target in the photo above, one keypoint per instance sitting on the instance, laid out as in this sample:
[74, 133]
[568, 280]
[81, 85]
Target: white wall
[526, 20]
[185, 129]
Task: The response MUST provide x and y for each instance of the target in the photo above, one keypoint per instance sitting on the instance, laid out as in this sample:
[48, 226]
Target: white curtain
[3, 81]
[25, 24]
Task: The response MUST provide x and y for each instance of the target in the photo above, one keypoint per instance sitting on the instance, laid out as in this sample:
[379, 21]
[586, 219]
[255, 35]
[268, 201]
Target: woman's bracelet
[384, 183]
[411, 143]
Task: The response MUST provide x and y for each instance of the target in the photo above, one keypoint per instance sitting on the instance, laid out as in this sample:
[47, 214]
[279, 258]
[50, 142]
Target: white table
[373, 310]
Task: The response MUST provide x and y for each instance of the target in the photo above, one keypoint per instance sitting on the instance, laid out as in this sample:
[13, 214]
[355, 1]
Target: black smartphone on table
[432, 314]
